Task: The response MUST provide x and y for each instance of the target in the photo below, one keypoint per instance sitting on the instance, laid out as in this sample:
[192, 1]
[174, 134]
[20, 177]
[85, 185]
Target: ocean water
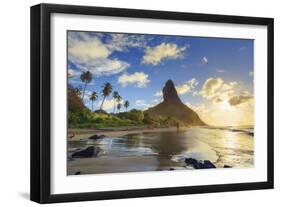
[232, 146]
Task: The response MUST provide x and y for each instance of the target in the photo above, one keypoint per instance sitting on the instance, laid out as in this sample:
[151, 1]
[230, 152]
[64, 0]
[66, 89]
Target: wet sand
[116, 165]
[82, 134]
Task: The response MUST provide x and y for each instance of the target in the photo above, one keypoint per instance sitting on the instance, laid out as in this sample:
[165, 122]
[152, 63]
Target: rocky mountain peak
[170, 93]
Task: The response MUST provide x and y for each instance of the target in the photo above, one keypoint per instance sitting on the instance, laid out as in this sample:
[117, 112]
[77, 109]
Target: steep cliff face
[169, 93]
[172, 107]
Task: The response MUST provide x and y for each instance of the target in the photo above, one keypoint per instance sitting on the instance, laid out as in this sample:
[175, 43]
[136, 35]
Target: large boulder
[96, 136]
[206, 164]
[87, 152]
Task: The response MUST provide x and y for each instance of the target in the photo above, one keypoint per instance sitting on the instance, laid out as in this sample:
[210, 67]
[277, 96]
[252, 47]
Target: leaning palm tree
[115, 96]
[106, 91]
[119, 105]
[86, 77]
[93, 97]
[126, 104]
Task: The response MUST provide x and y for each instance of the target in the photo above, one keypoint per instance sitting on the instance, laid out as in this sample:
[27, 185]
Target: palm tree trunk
[92, 106]
[84, 91]
[102, 103]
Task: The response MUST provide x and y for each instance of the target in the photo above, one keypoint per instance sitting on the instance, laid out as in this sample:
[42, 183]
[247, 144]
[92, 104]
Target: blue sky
[212, 73]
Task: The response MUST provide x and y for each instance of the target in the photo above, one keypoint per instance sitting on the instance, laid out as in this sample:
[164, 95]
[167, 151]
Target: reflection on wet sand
[163, 151]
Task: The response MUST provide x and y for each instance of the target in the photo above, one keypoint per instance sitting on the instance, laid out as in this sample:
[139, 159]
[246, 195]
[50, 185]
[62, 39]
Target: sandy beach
[82, 134]
[118, 164]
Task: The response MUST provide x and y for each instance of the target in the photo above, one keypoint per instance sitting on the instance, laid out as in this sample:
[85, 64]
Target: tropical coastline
[139, 102]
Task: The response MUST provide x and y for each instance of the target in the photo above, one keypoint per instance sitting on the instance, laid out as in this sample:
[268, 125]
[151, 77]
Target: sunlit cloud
[138, 79]
[186, 87]
[154, 55]
[211, 86]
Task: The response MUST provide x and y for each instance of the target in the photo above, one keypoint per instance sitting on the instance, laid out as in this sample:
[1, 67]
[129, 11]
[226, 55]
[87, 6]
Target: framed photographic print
[133, 103]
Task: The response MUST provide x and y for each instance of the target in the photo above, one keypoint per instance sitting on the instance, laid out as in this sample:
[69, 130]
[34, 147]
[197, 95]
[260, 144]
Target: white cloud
[138, 79]
[72, 73]
[182, 89]
[108, 104]
[158, 93]
[228, 86]
[211, 86]
[88, 52]
[154, 55]
[204, 60]
[121, 42]
[105, 66]
[86, 49]
[244, 98]
[220, 92]
[143, 104]
[220, 70]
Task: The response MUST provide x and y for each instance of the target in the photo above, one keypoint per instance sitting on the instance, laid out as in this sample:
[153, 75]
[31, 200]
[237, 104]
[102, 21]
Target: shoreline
[82, 134]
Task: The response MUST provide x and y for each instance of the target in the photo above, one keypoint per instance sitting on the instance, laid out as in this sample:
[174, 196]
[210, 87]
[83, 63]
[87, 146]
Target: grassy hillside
[175, 111]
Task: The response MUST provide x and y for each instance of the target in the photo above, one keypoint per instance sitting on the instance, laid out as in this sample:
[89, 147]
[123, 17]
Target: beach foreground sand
[118, 164]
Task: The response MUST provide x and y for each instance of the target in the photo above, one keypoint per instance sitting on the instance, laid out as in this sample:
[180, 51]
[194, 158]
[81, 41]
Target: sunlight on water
[232, 147]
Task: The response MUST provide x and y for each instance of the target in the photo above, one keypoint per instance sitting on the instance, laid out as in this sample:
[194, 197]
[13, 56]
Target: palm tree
[126, 104]
[86, 77]
[106, 91]
[115, 96]
[119, 107]
[93, 97]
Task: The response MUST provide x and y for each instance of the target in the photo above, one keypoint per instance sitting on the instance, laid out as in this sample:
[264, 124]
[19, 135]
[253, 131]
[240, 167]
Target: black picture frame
[41, 99]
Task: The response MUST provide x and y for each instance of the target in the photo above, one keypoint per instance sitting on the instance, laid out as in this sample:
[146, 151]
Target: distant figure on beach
[178, 126]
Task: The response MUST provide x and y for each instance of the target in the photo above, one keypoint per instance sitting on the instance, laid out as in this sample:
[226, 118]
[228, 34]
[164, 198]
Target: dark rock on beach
[190, 161]
[227, 166]
[88, 152]
[206, 164]
[96, 136]
[77, 173]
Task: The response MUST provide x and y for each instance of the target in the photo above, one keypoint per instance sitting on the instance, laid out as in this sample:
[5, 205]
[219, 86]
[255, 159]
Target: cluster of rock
[87, 152]
[201, 164]
[205, 164]
[96, 136]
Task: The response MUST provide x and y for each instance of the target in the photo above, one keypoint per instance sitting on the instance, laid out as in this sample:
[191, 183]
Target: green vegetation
[87, 119]
[79, 116]
[168, 113]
